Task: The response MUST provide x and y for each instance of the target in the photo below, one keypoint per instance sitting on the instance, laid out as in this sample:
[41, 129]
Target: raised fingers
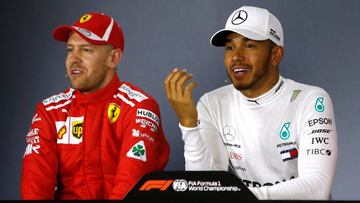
[189, 89]
[175, 83]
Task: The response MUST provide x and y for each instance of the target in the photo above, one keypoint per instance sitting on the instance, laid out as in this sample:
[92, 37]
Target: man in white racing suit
[277, 135]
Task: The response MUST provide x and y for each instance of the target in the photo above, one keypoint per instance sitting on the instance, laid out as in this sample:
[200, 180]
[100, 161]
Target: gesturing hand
[179, 94]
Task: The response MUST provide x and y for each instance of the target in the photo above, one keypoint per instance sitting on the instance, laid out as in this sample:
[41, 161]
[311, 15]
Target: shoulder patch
[132, 94]
[138, 151]
[148, 114]
[58, 97]
[294, 95]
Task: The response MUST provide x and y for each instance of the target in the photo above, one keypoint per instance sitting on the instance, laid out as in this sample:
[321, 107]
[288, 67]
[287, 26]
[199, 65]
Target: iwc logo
[239, 17]
[180, 185]
[229, 133]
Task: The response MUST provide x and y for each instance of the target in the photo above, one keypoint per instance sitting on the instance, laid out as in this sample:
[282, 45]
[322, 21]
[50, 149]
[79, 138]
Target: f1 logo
[161, 185]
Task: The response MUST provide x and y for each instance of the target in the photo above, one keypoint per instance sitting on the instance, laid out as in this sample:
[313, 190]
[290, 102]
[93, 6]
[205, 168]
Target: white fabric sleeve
[204, 149]
[318, 152]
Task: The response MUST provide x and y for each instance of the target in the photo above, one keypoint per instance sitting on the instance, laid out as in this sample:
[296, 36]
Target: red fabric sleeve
[144, 147]
[40, 164]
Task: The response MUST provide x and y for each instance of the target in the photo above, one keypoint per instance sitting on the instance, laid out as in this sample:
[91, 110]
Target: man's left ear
[115, 58]
[277, 53]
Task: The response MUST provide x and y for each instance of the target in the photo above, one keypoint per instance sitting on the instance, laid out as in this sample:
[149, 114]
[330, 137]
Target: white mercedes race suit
[282, 144]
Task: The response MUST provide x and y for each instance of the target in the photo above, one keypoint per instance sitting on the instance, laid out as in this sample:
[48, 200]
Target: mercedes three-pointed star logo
[229, 133]
[239, 17]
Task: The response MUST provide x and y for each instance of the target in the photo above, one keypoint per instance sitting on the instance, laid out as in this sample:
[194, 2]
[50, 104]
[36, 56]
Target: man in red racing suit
[92, 144]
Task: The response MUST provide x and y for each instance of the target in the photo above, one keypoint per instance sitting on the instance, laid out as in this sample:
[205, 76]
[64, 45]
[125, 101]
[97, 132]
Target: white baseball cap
[253, 23]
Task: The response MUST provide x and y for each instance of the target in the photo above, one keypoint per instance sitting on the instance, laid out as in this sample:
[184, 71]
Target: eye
[250, 45]
[87, 50]
[229, 48]
[69, 49]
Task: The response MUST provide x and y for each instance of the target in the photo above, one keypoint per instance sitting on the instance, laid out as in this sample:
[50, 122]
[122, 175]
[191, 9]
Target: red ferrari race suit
[93, 146]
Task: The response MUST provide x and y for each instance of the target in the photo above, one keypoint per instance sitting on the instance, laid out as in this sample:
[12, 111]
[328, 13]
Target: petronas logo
[319, 105]
[294, 95]
[285, 132]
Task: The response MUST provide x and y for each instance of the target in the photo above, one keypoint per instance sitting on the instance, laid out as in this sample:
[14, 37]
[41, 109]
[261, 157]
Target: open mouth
[76, 72]
[239, 71]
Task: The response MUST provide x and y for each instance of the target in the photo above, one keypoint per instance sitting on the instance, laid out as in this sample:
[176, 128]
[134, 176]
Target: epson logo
[320, 121]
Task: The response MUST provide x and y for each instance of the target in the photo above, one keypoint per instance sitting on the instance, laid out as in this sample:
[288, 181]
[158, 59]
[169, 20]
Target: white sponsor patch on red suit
[132, 94]
[138, 151]
[32, 142]
[70, 131]
[148, 114]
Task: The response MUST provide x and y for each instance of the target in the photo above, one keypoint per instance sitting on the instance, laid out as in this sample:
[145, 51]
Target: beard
[241, 86]
[256, 79]
[87, 84]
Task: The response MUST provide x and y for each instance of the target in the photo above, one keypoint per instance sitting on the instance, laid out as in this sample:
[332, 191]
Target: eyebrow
[81, 45]
[245, 39]
[227, 40]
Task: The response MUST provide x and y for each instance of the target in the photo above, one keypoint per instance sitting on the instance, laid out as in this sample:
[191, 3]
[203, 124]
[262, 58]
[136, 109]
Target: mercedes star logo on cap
[239, 17]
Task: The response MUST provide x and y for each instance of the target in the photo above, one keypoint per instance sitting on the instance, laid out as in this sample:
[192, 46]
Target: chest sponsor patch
[289, 154]
[132, 94]
[229, 133]
[70, 131]
[285, 131]
[286, 144]
[138, 151]
[59, 97]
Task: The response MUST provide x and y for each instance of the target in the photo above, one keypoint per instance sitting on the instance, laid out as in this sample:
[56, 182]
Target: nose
[238, 55]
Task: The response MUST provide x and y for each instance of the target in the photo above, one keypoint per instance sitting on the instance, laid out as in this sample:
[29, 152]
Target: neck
[262, 87]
